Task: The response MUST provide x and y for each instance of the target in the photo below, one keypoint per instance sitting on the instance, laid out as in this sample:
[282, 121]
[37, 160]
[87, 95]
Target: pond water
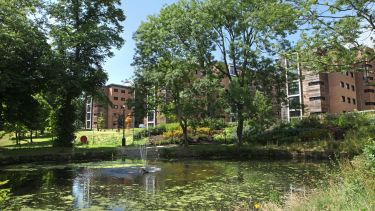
[177, 185]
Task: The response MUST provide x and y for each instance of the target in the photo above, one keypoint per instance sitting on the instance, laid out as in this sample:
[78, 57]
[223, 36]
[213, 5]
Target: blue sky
[119, 67]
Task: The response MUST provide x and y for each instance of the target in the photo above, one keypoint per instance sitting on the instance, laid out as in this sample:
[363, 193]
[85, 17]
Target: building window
[295, 113]
[349, 99]
[294, 103]
[369, 90]
[347, 86]
[231, 71]
[115, 90]
[122, 99]
[343, 98]
[353, 88]
[150, 116]
[115, 106]
[293, 88]
[317, 98]
[342, 84]
[122, 91]
[347, 73]
[370, 103]
[354, 101]
[115, 98]
[352, 74]
[316, 83]
[114, 114]
[370, 78]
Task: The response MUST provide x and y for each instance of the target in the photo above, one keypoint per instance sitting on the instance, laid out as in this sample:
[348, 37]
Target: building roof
[118, 85]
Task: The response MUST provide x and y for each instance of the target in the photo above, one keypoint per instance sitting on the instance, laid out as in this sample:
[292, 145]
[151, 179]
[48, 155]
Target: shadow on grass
[36, 144]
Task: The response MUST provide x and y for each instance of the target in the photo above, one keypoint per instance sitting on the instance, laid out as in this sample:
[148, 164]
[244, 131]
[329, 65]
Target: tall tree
[246, 33]
[174, 59]
[83, 33]
[338, 34]
[25, 57]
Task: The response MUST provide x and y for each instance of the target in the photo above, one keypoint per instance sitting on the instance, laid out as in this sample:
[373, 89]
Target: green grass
[96, 139]
[351, 188]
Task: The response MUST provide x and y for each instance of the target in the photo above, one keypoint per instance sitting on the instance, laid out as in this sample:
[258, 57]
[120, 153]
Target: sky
[119, 67]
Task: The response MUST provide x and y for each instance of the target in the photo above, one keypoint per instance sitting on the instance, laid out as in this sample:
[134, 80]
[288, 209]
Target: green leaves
[339, 36]
[174, 59]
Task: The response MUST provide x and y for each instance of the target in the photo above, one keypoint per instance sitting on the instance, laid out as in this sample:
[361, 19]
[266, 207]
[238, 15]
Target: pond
[174, 185]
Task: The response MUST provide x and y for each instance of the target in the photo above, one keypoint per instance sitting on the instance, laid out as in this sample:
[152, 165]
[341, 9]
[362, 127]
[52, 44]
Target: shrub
[172, 126]
[176, 134]
[309, 122]
[222, 139]
[227, 136]
[352, 120]
[290, 135]
[369, 153]
[154, 131]
[203, 130]
[213, 124]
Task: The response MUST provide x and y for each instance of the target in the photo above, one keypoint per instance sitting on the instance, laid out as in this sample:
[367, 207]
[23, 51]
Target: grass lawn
[96, 139]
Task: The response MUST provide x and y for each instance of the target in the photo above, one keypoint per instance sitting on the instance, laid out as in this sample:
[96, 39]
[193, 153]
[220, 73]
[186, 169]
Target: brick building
[316, 93]
[111, 111]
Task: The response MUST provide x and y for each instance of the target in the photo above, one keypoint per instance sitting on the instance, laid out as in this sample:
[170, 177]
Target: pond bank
[50, 154]
[246, 152]
[208, 151]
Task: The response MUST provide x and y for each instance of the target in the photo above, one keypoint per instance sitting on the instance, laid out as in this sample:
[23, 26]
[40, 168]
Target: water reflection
[121, 185]
[81, 189]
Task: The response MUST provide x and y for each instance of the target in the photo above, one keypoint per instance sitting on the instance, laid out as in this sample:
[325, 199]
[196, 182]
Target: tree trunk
[17, 135]
[31, 136]
[185, 133]
[65, 123]
[239, 131]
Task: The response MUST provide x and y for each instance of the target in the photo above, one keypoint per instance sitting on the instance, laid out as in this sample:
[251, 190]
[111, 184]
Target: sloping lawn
[96, 139]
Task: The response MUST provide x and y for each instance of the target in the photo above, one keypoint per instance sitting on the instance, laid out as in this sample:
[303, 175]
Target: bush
[203, 130]
[310, 122]
[290, 135]
[222, 139]
[176, 134]
[213, 124]
[369, 153]
[228, 136]
[172, 126]
[349, 121]
[153, 131]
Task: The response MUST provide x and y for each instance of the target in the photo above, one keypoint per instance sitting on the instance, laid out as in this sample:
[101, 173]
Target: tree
[37, 115]
[338, 35]
[83, 34]
[100, 122]
[263, 114]
[174, 63]
[25, 57]
[247, 33]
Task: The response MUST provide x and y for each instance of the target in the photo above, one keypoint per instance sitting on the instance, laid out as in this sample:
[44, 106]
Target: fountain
[143, 153]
